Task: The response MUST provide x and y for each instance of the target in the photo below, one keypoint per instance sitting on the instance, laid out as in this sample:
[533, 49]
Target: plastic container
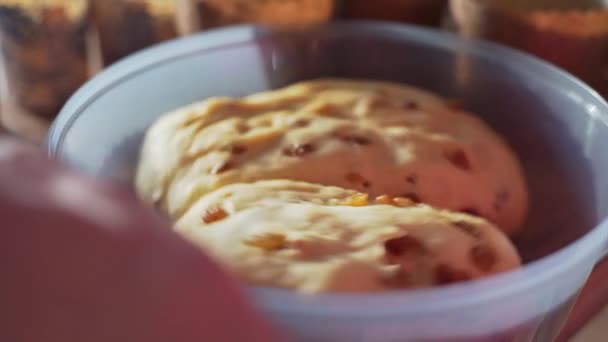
[557, 124]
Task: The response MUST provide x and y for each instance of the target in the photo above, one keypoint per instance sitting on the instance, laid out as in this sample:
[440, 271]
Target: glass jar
[422, 12]
[215, 13]
[43, 56]
[126, 26]
[570, 34]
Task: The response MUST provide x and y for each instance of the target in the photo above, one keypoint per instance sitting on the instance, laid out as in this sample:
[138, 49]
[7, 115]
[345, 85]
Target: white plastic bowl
[558, 126]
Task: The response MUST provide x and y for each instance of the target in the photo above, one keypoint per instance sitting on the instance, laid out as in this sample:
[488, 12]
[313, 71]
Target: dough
[375, 137]
[313, 238]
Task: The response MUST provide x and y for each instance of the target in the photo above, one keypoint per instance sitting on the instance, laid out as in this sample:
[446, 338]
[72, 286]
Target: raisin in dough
[376, 137]
[312, 238]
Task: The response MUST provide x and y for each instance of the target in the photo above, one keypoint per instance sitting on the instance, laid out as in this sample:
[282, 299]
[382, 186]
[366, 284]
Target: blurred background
[49, 48]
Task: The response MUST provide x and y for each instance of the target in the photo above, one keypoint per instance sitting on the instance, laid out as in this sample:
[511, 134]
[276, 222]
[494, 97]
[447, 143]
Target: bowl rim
[403, 302]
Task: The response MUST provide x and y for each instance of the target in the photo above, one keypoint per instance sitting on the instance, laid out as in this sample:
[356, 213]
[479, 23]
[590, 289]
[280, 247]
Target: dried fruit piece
[237, 149]
[268, 242]
[445, 274]
[397, 201]
[222, 167]
[403, 245]
[483, 257]
[411, 105]
[301, 123]
[356, 178]
[242, 127]
[458, 158]
[384, 199]
[357, 200]
[403, 202]
[300, 150]
[327, 109]
[214, 214]
[468, 228]
[355, 139]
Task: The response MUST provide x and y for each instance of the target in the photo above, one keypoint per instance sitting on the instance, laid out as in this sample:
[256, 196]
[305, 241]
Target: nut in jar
[215, 13]
[421, 12]
[43, 54]
[125, 26]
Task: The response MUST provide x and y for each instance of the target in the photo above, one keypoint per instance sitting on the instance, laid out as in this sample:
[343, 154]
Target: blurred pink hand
[84, 262]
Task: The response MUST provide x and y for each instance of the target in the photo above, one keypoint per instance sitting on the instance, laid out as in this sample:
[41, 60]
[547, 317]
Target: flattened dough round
[312, 238]
[374, 137]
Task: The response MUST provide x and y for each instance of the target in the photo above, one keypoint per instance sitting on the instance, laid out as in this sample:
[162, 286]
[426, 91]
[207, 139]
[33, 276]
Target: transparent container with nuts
[570, 34]
[126, 26]
[216, 13]
[43, 56]
[421, 12]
